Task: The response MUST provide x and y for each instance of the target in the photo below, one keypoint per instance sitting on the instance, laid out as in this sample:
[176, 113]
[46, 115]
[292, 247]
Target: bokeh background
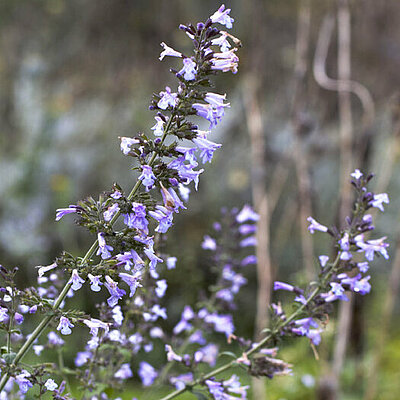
[76, 74]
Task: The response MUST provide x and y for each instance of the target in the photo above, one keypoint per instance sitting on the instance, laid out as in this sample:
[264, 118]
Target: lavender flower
[76, 280]
[95, 282]
[104, 249]
[60, 212]
[189, 69]
[115, 292]
[51, 385]
[147, 373]
[167, 99]
[168, 51]
[65, 326]
[127, 143]
[147, 177]
[124, 372]
[221, 16]
[316, 226]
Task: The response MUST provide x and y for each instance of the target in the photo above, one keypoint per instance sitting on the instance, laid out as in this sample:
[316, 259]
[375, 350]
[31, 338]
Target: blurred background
[316, 96]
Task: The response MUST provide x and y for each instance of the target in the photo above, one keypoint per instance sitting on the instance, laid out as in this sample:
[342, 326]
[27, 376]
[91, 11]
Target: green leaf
[9, 357]
[229, 354]
[200, 396]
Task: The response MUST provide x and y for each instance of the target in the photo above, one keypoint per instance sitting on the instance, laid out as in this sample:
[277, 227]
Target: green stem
[263, 342]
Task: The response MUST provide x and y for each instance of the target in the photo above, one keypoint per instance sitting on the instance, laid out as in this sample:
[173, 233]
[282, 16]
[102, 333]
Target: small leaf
[229, 354]
[9, 357]
[200, 396]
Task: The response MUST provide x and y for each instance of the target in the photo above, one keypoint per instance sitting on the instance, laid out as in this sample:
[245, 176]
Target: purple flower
[104, 249]
[82, 358]
[76, 280]
[222, 323]
[252, 259]
[304, 326]
[22, 381]
[356, 174]
[126, 144]
[161, 287]
[226, 61]
[147, 177]
[168, 51]
[133, 281]
[183, 324]
[234, 386]
[60, 212]
[323, 260]
[124, 372]
[249, 241]
[216, 389]
[185, 172]
[171, 355]
[372, 246]
[189, 155]
[206, 148]
[216, 100]
[43, 269]
[110, 212]
[247, 214]
[94, 325]
[116, 195]
[3, 314]
[154, 260]
[115, 292]
[247, 229]
[209, 112]
[207, 354]
[184, 192]
[362, 286]
[221, 16]
[164, 218]
[51, 385]
[344, 244]
[222, 42]
[65, 326]
[129, 259]
[209, 243]
[189, 69]
[181, 380]
[363, 266]
[336, 293]
[171, 262]
[378, 201]
[54, 339]
[33, 309]
[137, 218]
[315, 226]
[156, 312]
[225, 295]
[167, 99]
[147, 373]
[118, 317]
[19, 318]
[283, 286]
[158, 128]
[95, 282]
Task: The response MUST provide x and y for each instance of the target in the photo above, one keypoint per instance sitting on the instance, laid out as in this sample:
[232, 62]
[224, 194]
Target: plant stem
[264, 341]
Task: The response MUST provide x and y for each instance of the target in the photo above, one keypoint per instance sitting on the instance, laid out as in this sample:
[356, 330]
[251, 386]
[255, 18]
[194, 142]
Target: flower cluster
[127, 258]
[123, 266]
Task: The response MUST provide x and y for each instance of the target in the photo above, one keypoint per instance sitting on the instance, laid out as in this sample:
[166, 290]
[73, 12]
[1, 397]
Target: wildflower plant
[128, 265]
